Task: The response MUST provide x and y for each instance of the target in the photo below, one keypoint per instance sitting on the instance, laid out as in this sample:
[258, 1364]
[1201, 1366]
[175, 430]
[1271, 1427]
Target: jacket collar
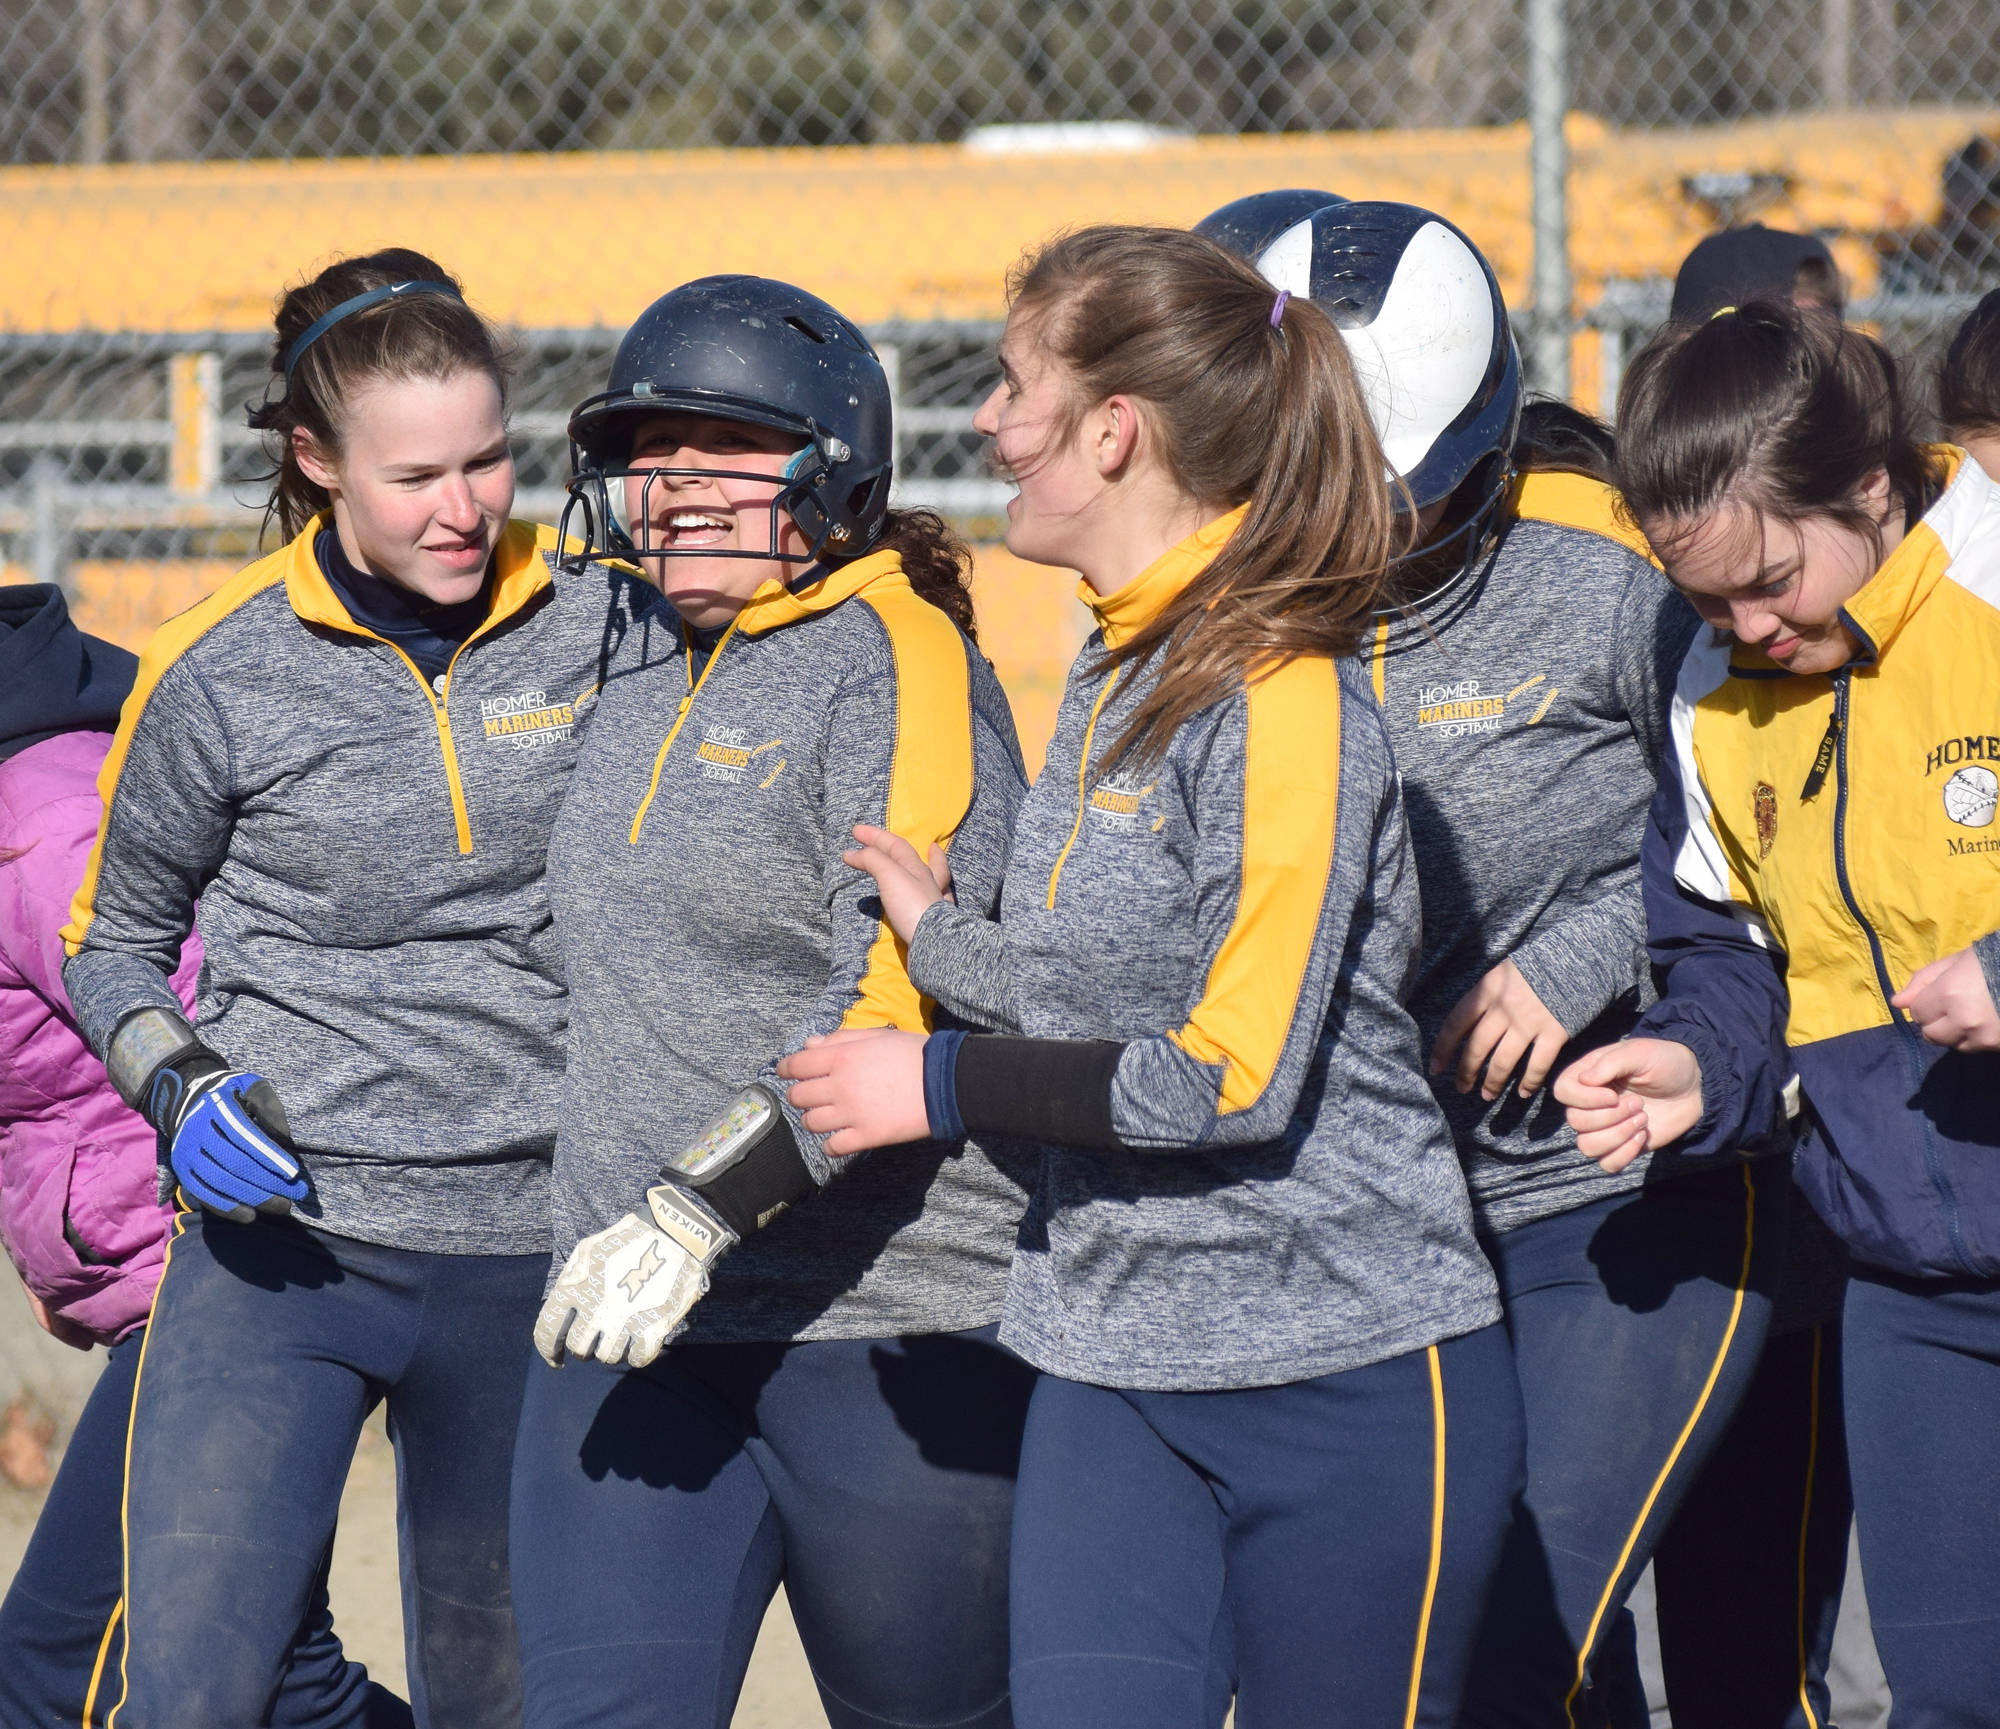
[1954, 534]
[520, 573]
[1126, 611]
[53, 678]
[775, 605]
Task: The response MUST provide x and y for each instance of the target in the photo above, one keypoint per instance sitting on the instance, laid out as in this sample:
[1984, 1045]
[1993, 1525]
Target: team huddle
[1469, 1072]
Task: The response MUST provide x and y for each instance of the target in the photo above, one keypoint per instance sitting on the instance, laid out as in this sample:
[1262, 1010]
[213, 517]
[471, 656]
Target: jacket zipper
[439, 697]
[1837, 735]
[1082, 785]
[1838, 732]
[687, 702]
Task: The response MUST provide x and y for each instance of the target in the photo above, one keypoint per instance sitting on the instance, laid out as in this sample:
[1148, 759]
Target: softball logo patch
[1970, 796]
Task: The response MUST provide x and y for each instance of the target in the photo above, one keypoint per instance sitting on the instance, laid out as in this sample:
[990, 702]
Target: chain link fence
[130, 130]
[153, 80]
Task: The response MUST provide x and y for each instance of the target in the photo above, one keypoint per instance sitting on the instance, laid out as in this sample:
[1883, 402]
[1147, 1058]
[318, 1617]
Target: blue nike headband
[360, 303]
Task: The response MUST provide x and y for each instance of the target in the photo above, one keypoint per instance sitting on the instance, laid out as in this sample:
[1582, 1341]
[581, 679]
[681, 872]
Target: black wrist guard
[179, 1081]
[156, 1063]
[746, 1169]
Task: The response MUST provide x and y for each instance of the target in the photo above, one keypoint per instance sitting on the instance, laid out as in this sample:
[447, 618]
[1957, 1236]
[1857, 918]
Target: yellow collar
[1576, 501]
[1889, 599]
[774, 605]
[1126, 611]
[520, 573]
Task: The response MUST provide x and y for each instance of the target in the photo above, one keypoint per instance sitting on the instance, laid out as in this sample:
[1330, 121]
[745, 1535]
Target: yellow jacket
[1843, 827]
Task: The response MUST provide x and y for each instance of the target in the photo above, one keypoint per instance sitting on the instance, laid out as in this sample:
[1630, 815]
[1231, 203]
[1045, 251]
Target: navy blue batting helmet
[1426, 326]
[749, 349]
[1247, 225]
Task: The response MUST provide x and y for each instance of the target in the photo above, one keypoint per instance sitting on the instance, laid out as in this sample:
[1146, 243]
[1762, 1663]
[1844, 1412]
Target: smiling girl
[838, 1417]
[1823, 894]
[1278, 1430]
[348, 758]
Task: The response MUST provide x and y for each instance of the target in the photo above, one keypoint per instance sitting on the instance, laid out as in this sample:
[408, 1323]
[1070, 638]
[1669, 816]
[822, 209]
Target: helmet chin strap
[1470, 536]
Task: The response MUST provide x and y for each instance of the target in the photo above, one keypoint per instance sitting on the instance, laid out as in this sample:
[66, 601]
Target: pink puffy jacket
[79, 1211]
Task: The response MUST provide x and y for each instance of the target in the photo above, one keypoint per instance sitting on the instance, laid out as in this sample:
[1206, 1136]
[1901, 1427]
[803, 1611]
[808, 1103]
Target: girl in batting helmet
[834, 1413]
[1522, 660]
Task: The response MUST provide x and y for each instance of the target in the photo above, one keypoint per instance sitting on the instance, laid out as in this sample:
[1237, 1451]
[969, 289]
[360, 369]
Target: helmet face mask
[599, 494]
[750, 350]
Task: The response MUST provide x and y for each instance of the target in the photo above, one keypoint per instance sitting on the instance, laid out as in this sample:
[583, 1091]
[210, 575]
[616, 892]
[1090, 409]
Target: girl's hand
[909, 888]
[861, 1087]
[1492, 1027]
[1951, 1005]
[1628, 1097]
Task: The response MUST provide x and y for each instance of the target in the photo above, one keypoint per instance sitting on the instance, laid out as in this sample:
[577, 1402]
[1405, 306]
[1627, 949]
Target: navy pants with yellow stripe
[1324, 1546]
[270, 1344]
[1637, 1325]
[657, 1510]
[1922, 1368]
[1749, 1575]
[62, 1626]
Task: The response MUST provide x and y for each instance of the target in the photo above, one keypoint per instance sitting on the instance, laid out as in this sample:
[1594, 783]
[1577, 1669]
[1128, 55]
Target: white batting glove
[626, 1293]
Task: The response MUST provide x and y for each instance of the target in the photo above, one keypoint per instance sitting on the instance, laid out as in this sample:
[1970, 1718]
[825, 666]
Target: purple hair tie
[1278, 306]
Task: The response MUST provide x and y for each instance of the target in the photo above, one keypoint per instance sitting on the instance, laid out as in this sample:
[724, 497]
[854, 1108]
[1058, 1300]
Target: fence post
[1548, 152]
[1836, 54]
[891, 356]
[94, 71]
[194, 389]
[47, 528]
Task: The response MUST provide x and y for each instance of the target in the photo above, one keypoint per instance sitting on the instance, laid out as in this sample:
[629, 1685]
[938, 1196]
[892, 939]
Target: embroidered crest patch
[1767, 817]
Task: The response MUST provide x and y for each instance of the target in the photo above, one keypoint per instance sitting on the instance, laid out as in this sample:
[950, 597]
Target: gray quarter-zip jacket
[1282, 1200]
[709, 926]
[1528, 712]
[367, 850]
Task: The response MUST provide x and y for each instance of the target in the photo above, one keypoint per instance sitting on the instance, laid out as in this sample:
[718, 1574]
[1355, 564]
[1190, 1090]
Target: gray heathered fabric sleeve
[959, 960]
[861, 735]
[1986, 950]
[1580, 965]
[1164, 1099]
[1656, 626]
[957, 955]
[165, 833]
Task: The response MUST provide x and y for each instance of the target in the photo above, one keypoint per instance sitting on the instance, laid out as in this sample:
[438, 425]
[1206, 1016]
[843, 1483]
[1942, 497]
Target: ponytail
[1255, 402]
[1556, 438]
[934, 559]
[1785, 410]
[427, 335]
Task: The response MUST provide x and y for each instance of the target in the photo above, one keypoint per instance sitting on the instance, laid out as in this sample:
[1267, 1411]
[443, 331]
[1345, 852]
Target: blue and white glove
[224, 1148]
[224, 1128]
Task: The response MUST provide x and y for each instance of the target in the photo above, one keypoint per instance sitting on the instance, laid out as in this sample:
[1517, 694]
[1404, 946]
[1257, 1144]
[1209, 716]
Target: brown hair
[1555, 437]
[413, 336]
[1254, 404]
[935, 560]
[1969, 376]
[1774, 406]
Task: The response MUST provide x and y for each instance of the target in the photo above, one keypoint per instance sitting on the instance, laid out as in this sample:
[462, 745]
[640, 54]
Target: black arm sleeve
[1040, 1089]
